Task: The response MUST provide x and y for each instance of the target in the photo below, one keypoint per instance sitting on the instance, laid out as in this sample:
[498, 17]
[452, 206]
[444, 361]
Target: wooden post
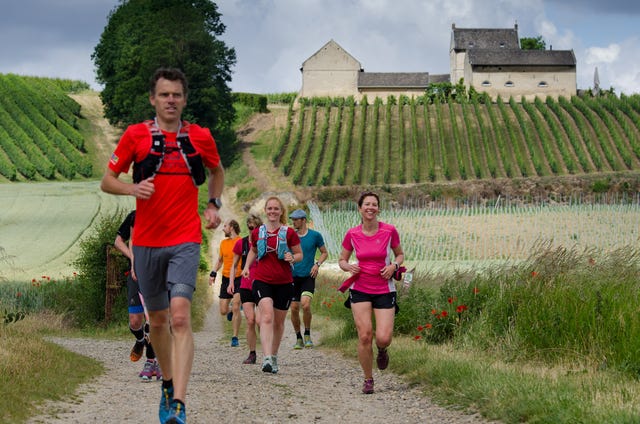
[114, 281]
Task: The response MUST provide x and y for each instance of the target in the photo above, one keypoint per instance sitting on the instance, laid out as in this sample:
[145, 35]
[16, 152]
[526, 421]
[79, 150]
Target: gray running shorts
[166, 272]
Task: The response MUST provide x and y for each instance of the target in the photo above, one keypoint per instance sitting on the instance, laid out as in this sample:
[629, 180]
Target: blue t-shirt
[309, 243]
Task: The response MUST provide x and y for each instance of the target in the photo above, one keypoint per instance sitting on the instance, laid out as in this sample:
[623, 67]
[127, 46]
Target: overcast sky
[272, 38]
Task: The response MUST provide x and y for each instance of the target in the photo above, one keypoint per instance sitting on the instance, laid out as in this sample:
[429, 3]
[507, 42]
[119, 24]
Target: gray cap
[297, 214]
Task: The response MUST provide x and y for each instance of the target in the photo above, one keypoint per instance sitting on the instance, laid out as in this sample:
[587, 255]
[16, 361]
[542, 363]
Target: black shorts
[280, 293]
[133, 296]
[225, 284]
[378, 301]
[303, 286]
[246, 296]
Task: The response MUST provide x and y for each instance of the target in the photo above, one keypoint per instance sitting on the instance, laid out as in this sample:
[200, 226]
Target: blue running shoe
[165, 404]
[234, 342]
[178, 414]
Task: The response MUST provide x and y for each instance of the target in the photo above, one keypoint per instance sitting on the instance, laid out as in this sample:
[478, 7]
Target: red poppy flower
[534, 274]
[417, 337]
[476, 290]
[433, 312]
[444, 314]
[428, 325]
[420, 328]
[450, 300]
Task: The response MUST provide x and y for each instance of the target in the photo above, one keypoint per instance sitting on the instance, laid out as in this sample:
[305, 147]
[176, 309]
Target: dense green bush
[282, 98]
[258, 102]
[87, 298]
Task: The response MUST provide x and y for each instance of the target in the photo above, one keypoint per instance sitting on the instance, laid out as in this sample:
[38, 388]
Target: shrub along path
[313, 385]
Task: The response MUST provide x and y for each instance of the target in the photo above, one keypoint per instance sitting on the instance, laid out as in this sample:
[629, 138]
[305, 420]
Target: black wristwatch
[216, 202]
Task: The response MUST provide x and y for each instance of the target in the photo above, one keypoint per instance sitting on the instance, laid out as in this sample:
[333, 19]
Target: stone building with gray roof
[492, 61]
[332, 72]
[488, 59]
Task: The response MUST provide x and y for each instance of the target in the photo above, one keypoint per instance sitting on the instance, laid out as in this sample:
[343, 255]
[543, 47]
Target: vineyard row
[381, 143]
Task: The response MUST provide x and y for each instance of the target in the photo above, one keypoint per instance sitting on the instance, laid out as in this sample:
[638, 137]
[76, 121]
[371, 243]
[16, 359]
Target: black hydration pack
[150, 165]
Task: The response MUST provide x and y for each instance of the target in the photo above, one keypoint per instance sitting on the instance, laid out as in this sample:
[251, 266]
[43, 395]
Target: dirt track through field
[313, 385]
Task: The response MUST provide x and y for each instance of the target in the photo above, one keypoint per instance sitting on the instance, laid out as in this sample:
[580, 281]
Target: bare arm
[251, 256]
[344, 264]
[123, 247]
[113, 185]
[324, 254]
[295, 255]
[215, 186]
[388, 271]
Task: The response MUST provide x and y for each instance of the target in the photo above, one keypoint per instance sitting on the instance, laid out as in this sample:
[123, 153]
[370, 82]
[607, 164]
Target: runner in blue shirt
[304, 276]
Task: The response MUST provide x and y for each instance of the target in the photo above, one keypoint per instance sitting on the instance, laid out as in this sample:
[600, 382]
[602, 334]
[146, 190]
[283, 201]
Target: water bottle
[408, 278]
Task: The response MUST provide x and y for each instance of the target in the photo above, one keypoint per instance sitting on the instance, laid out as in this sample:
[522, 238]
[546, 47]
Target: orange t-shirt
[170, 216]
[226, 253]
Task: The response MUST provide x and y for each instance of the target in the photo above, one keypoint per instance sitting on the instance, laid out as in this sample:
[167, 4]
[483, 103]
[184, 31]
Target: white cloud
[617, 64]
[607, 54]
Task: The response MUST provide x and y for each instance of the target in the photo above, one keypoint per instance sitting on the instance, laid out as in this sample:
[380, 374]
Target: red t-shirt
[170, 216]
[269, 268]
[245, 283]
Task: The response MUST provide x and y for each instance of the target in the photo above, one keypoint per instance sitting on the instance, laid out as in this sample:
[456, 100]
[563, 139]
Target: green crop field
[40, 224]
[476, 236]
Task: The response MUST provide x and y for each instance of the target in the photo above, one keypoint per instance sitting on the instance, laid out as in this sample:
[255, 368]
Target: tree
[533, 43]
[143, 35]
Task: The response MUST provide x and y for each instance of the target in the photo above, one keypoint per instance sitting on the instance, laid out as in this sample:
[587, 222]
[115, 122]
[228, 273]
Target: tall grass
[551, 340]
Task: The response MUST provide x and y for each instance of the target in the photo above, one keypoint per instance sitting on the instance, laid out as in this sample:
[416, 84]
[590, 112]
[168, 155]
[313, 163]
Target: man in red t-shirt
[166, 242]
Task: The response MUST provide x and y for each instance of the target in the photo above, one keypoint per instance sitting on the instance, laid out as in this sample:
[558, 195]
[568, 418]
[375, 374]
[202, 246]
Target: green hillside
[43, 136]
[39, 130]
[416, 143]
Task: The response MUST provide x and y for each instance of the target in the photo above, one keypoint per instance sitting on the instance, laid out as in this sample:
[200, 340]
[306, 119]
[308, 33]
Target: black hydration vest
[150, 165]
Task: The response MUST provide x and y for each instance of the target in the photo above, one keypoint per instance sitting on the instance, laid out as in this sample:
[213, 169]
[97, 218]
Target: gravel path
[313, 386]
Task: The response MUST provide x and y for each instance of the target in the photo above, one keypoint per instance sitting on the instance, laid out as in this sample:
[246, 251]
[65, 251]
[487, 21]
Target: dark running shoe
[383, 359]
[251, 359]
[367, 386]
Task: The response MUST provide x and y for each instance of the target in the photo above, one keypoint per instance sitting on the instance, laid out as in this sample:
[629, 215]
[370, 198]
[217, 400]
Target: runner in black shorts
[304, 276]
[137, 322]
[276, 247]
[229, 298]
[240, 253]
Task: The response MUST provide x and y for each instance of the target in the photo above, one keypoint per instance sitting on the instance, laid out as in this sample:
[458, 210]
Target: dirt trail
[313, 385]
[105, 135]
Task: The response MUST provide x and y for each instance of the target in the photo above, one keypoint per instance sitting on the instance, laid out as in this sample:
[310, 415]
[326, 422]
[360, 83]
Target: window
[486, 83]
[509, 84]
[543, 84]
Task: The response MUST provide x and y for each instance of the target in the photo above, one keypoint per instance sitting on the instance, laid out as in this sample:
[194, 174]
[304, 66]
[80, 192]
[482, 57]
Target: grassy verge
[550, 341]
[31, 368]
[35, 370]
